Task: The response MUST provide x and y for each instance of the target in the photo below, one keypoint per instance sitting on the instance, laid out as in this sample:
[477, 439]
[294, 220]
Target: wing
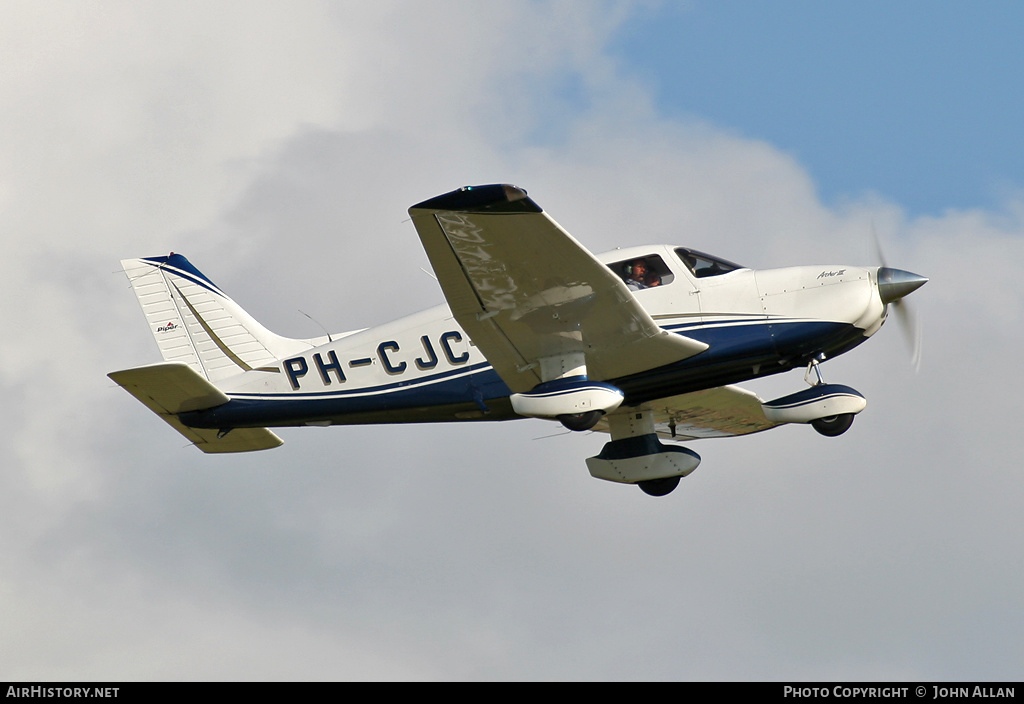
[526, 292]
[726, 411]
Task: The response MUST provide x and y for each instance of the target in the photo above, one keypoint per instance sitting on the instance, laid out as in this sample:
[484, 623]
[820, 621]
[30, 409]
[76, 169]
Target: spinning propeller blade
[893, 286]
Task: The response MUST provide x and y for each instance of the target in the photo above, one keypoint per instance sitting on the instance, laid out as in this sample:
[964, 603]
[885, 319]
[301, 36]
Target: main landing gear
[580, 421]
[659, 487]
[636, 456]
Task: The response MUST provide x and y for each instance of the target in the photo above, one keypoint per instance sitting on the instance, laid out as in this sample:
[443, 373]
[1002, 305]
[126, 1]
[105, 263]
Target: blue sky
[918, 101]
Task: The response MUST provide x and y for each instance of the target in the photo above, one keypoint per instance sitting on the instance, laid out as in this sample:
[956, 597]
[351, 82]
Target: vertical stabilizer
[194, 322]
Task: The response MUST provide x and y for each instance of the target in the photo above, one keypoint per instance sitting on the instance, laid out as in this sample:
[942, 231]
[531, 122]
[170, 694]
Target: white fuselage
[424, 367]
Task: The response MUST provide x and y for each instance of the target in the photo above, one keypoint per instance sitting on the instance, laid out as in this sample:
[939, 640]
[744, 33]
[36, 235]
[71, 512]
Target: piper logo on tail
[167, 328]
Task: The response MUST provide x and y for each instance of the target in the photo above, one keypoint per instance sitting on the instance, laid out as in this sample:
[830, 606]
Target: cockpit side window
[702, 265]
[640, 273]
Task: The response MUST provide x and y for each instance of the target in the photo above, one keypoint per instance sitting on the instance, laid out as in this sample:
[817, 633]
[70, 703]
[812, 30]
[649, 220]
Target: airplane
[645, 344]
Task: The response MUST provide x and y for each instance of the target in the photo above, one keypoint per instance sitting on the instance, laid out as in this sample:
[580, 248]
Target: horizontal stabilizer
[171, 388]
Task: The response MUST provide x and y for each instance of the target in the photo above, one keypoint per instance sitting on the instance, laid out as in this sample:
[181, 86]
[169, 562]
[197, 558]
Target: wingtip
[500, 198]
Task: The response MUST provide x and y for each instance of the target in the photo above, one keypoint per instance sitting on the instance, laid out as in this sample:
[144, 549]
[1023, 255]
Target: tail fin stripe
[183, 267]
[193, 321]
[214, 336]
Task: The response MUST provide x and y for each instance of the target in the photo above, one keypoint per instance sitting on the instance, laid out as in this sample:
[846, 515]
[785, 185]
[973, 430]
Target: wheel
[833, 425]
[659, 487]
[581, 421]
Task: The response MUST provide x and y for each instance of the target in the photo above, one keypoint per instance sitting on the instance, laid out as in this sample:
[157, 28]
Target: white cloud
[279, 147]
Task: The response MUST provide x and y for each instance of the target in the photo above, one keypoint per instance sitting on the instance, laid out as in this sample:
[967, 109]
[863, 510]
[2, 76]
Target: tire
[833, 426]
[659, 487]
[581, 421]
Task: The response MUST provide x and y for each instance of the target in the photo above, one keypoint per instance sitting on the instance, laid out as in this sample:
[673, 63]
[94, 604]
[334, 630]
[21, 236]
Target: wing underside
[726, 411]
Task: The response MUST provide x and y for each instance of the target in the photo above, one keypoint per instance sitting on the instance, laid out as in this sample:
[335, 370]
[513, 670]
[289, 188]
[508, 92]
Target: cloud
[279, 150]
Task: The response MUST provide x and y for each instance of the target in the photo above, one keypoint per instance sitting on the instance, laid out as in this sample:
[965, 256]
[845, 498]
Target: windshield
[701, 265]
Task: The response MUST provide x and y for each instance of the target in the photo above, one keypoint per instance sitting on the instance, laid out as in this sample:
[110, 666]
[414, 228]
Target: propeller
[893, 286]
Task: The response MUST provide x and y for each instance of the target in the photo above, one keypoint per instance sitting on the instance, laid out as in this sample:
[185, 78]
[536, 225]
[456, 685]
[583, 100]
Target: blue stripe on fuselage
[734, 338]
[741, 338]
[475, 385]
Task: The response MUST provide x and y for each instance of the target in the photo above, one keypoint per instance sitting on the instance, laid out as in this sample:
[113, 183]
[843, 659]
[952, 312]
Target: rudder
[196, 323]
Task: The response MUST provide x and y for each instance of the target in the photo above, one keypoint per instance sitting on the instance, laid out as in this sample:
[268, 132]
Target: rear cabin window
[702, 265]
[643, 272]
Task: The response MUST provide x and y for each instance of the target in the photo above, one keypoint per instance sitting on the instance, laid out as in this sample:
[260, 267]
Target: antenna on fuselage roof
[329, 338]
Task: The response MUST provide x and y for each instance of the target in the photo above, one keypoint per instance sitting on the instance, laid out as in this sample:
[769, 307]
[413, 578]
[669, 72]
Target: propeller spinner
[893, 286]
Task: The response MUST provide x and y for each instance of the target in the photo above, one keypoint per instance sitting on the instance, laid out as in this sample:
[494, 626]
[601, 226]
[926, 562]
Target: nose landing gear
[828, 408]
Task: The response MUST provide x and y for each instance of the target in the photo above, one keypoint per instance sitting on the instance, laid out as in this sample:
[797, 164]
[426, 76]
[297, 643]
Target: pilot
[636, 275]
[652, 280]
